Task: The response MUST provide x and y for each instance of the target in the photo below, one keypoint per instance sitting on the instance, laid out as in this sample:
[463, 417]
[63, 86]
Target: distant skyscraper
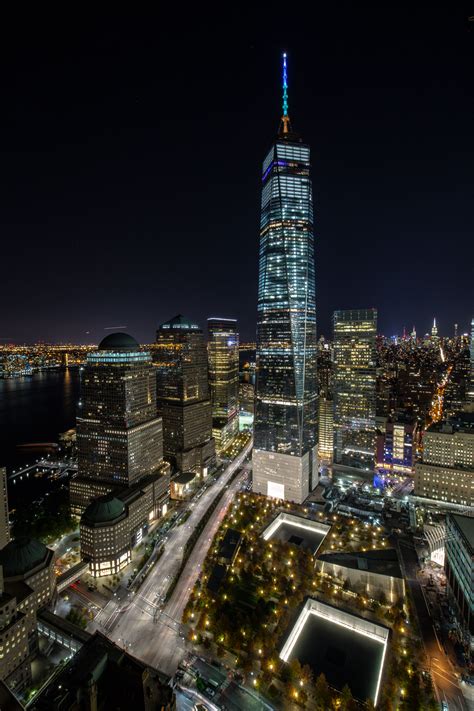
[180, 355]
[284, 454]
[4, 521]
[355, 387]
[413, 334]
[434, 329]
[223, 354]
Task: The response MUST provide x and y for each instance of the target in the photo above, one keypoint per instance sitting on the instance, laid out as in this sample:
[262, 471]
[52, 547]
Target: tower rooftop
[180, 322]
[118, 342]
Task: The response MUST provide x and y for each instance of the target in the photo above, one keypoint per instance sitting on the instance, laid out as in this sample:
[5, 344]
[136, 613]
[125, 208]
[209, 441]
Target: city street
[445, 681]
[139, 622]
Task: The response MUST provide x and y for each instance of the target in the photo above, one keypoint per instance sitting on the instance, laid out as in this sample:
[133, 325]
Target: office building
[119, 436]
[325, 430]
[4, 520]
[354, 346]
[180, 357]
[446, 472]
[396, 445]
[114, 524]
[122, 483]
[459, 568]
[102, 676]
[15, 667]
[27, 585]
[223, 355]
[285, 439]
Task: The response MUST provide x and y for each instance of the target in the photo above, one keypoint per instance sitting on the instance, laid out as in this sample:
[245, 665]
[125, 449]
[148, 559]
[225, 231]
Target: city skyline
[388, 137]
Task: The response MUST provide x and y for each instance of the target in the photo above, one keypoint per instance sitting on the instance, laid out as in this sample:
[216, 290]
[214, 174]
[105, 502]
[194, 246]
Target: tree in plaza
[295, 670]
[369, 705]
[347, 700]
[322, 693]
[306, 674]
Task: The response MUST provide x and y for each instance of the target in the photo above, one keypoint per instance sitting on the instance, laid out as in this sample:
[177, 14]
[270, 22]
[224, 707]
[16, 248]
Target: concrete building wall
[282, 476]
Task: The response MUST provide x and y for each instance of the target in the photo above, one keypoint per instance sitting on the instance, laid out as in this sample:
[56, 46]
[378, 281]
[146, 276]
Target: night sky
[132, 147]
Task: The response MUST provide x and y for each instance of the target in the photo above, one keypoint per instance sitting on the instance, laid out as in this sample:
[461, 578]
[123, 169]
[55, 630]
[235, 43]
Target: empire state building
[285, 451]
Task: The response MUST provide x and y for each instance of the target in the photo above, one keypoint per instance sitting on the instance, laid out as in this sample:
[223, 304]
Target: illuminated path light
[353, 624]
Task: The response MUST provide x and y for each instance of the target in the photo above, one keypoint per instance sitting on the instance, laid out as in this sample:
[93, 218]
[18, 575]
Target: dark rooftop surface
[466, 525]
[119, 678]
[103, 510]
[22, 555]
[184, 478]
[383, 562]
[118, 342]
[216, 577]
[342, 655]
[181, 323]
[229, 544]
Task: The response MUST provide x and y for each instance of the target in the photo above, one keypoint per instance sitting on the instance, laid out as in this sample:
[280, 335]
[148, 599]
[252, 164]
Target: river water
[35, 409]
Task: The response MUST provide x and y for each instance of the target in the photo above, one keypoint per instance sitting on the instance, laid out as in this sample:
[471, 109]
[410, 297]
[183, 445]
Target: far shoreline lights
[352, 624]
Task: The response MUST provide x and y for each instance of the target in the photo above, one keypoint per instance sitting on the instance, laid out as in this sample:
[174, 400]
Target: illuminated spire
[434, 330]
[285, 126]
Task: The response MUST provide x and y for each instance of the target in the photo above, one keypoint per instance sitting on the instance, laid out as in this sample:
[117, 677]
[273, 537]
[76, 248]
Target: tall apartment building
[4, 520]
[284, 456]
[470, 394]
[180, 356]
[223, 355]
[354, 356]
[459, 568]
[446, 472]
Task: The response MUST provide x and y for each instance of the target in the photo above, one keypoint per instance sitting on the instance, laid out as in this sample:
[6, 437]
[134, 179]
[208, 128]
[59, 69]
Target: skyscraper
[355, 387]
[119, 436]
[285, 451]
[180, 356]
[223, 354]
[470, 394]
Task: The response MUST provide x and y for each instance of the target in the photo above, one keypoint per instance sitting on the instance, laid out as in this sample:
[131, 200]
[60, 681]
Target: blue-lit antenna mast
[285, 119]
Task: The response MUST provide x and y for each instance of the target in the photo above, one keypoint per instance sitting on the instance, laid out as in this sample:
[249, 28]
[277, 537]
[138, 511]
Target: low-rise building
[446, 472]
[101, 676]
[112, 525]
[373, 572]
[180, 485]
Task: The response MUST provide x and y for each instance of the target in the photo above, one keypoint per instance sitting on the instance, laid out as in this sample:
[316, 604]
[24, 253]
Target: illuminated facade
[223, 354]
[446, 472]
[325, 430]
[396, 446]
[119, 436]
[120, 454]
[4, 520]
[459, 568]
[180, 356]
[285, 446]
[354, 356]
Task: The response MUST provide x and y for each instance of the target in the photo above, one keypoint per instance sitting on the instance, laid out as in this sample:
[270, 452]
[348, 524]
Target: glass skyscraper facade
[354, 354]
[180, 356]
[284, 455]
[223, 354]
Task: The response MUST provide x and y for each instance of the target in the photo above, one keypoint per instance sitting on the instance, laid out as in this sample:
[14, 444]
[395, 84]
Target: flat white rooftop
[346, 648]
[299, 531]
